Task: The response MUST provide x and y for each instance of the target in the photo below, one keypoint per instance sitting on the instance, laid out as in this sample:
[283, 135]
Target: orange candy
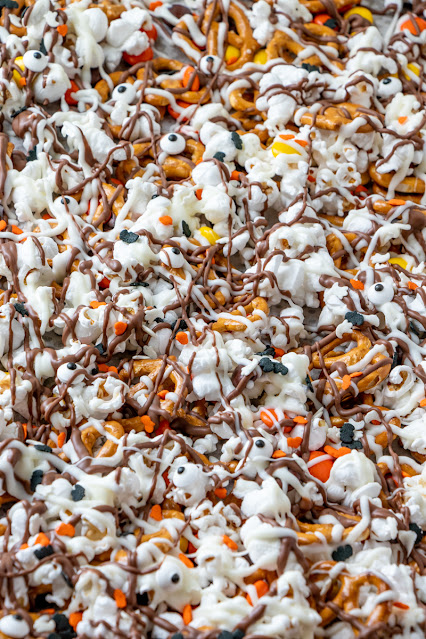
[186, 560]
[220, 492]
[61, 439]
[156, 513]
[321, 470]
[267, 417]
[187, 614]
[186, 79]
[66, 530]
[182, 337]
[3, 225]
[120, 598]
[147, 423]
[62, 30]
[357, 285]
[414, 25]
[42, 539]
[261, 589]
[166, 220]
[336, 452]
[229, 542]
[120, 328]
[294, 442]
[75, 618]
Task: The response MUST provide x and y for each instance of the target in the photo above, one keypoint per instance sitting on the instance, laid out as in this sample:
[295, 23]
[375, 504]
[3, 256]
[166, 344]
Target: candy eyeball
[172, 257]
[380, 293]
[14, 626]
[124, 93]
[188, 476]
[173, 143]
[210, 64]
[68, 203]
[35, 61]
[389, 87]
[261, 449]
[67, 373]
[170, 575]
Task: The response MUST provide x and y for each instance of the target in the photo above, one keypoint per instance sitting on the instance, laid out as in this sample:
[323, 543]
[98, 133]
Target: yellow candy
[183, 544]
[261, 57]
[414, 68]
[232, 54]
[210, 235]
[19, 61]
[398, 260]
[360, 11]
[282, 147]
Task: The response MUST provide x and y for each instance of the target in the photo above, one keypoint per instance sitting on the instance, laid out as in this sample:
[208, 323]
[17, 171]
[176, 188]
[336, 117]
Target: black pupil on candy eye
[37, 55]
[71, 366]
[387, 81]
[260, 443]
[175, 578]
[175, 251]
[181, 470]
[172, 137]
[18, 617]
[379, 287]
[209, 58]
[121, 89]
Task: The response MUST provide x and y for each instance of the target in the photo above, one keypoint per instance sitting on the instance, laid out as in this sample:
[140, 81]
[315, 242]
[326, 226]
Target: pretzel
[90, 435]
[348, 592]
[17, 31]
[103, 87]
[334, 117]
[117, 205]
[112, 11]
[224, 325]
[316, 6]
[351, 357]
[308, 533]
[335, 246]
[283, 45]
[410, 185]
[174, 167]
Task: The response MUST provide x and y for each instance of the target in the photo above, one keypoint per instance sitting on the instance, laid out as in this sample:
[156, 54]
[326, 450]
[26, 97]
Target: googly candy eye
[187, 476]
[261, 449]
[380, 293]
[68, 203]
[14, 626]
[172, 257]
[124, 93]
[170, 575]
[389, 87]
[67, 372]
[173, 143]
[35, 61]
[210, 64]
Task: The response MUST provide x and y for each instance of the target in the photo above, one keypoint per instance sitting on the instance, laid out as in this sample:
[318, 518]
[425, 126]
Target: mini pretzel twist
[175, 167]
[224, 324]
[90, 435]
[407, 185]
[117, 77]
[308, 533]
[283, 45]
[316, 6]
[334, 117]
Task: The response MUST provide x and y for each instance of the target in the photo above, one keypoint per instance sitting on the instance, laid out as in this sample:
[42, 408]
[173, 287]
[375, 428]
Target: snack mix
[212, 319]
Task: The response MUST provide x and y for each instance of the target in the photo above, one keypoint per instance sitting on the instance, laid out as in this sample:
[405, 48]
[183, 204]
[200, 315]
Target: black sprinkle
[63, 626]
[142, 599]
[100, 348]
[395, 359]
[177, 635]
[42, 47]
[77, 493]
[219, 156]
[280, 368]
[32, 155]
[72, 366]
[158, 320]
[128, 236]
[185, 229]
[417, 331]
[419, 532]
[182, 325]
[355, 318]
[266, 365]
[269, 350]
[9, 4]
[36, 479]
[44, 551]
[94, 371]
[15, 113]
[145, 284]
[238, 634]
[354, 445]
[20, 308]
[54, 635]
[330, 23]
[347, 433]
[43, 447]
[67, 579]
[237, 140]
[309, 384]
[309, 67]
[342, 552]
[225, 634]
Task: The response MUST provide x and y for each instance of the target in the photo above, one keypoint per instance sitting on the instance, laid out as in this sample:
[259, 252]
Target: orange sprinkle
[278, 453]
[120, 328]
[396, 202]
[186, 79]
[186, 560]
[75, 618]
[42, 539]
[166, 220]
[268, 417]
[220, 492]
[112, 369]
[236, 175]
[402, 119]
[311, 178]
[47, 611]
[62, 30]
[187, 614]
[156, 513]
[153, 5]
[412, 286]
[356, 284]
[376, 422]
[22, 81]
[302, 142]
[182, 337]
[147, 423]
[337, 452]
[24, 547]
[279, 352]
[294, 442]
[103, 368]
[229, 542]
[61, 439]
[232, 60]
[261, 589]
[321, 470]
[16, 230]
[346, 381]
[286, 136]
[2, 225]
[97, 304]
[357, 374]
[399, 604]
[104, 283]
[67, 530]
[162, 394]
[199, 194]
[120, 598]
[300, 420]
[404, 474]
[25, 429]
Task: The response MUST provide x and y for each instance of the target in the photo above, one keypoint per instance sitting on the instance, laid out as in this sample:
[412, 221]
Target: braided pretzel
[351, 357]
[348, 593]
[224, 324]
[407, 185]
[283, 45]
[90, 435]
[335, 117]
